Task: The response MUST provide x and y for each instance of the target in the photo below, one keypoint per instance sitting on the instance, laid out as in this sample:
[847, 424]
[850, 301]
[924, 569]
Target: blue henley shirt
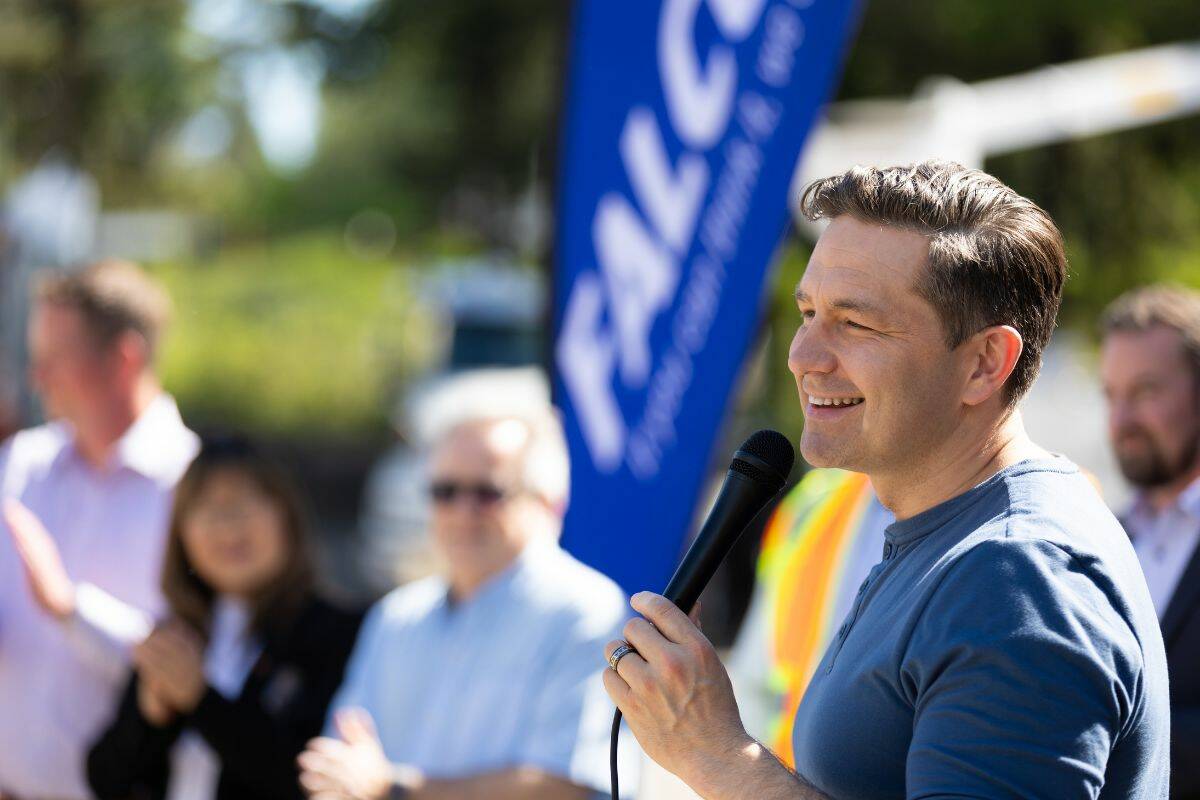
[1006, 646]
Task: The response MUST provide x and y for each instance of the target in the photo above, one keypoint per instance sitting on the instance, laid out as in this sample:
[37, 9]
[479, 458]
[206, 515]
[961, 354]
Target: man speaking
[1006, 644]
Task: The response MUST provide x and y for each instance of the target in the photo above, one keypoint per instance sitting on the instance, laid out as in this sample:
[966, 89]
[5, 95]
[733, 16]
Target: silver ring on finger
[623, 649]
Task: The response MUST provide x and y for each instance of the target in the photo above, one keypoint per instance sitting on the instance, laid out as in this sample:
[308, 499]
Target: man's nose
[1121, 415]
[810, 351]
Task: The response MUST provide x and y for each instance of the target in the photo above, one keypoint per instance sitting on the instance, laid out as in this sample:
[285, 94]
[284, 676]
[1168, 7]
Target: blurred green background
[313, 161]
[433, 134]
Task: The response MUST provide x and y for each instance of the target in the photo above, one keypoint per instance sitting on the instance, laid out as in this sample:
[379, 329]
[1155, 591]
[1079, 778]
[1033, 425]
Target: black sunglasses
[447, 491]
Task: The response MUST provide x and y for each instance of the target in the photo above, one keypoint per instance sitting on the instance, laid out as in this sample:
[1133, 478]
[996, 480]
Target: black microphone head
[766, 457]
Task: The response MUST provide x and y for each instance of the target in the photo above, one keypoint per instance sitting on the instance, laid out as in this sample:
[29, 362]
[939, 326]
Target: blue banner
[683, 126]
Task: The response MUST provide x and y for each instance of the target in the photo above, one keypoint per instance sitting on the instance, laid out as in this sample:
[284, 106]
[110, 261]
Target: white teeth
[835, 401]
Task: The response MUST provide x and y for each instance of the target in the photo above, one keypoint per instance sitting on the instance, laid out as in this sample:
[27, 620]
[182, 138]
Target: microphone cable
[612, 756]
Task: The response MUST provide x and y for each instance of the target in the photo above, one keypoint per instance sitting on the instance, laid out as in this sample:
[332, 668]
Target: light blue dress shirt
[510, 677]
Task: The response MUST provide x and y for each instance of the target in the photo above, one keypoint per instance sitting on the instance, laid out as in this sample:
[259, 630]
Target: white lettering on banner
[698, 101]
[585, 356]
[731, 201]
[665, 397]
[639, 256]
[671, 201]
[785, 32]
[701, 298]
[641, 276]
[736, 18]
[759, 115]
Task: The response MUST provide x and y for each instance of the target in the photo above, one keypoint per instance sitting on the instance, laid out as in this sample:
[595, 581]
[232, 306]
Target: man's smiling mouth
[833, 401]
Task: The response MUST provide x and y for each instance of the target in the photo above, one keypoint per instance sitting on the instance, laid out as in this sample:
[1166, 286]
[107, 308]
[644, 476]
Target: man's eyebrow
[844, 303]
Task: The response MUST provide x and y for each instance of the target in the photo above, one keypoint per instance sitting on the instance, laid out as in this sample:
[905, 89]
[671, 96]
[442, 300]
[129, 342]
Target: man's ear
[132, 352]
[994, 352]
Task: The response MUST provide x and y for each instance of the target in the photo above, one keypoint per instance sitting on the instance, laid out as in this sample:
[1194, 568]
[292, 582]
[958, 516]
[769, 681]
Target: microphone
[758, 471]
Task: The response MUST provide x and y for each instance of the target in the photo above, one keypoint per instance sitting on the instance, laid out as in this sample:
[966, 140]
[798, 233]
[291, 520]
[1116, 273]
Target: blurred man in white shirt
[85, 504]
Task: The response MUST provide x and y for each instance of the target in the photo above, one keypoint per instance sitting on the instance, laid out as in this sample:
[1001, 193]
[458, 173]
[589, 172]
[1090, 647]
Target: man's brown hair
[114, 297]
[995, 257]
[1160, 305]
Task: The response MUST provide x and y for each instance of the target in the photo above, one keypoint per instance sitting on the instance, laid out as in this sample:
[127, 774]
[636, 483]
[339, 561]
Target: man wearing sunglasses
[483, 681]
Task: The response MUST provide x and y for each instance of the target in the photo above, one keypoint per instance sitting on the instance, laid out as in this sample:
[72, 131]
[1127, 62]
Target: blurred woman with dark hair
[226, 692]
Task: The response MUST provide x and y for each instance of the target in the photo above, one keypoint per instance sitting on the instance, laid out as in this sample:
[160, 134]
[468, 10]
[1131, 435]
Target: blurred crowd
[162, 634]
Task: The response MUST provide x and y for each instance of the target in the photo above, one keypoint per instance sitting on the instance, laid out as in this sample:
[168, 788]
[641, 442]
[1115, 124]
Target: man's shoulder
[1032, 599]
[1050, 537]
[1050, 501]
[32, 449]
[560, 578]
[1065, 510]
[1048, 533]
[1034, 569]
[411, 602]
[563, 590]
[159, 444]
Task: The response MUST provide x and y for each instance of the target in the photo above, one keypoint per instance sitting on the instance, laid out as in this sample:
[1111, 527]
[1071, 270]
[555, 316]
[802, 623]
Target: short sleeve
[1022, 675]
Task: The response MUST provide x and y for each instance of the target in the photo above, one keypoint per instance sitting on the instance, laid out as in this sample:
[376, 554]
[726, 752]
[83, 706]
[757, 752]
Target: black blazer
[1181, 634]
[257, 737]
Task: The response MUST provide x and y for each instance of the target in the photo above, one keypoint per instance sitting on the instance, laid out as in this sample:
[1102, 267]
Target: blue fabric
[682, 127]
[509, 677]
[1005, 646]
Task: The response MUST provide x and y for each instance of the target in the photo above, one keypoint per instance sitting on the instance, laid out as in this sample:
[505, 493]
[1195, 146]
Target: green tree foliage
[441, 115]
[441, 112]
[295, 338]
[104, 83]
[1128, 202]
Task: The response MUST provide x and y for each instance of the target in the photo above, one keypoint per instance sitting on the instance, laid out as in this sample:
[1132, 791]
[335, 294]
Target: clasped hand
[353, 765]
[170, 668]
